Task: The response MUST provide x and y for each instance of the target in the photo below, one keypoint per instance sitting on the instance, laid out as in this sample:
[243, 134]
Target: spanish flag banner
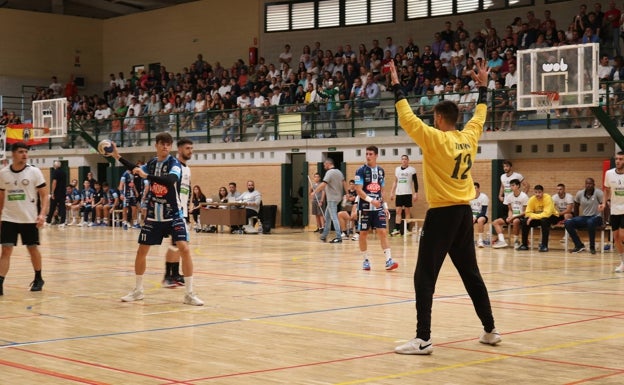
[24, 133]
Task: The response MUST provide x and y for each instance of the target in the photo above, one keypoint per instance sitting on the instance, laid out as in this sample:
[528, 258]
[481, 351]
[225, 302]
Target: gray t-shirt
[588, 207]
[334, 180]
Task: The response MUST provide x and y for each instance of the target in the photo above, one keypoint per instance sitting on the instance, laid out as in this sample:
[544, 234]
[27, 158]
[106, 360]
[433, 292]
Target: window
[417, 9]
[312, 14]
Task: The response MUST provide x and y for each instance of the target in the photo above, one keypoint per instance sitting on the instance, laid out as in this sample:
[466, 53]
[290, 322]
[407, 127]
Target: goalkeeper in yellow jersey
[448, 156]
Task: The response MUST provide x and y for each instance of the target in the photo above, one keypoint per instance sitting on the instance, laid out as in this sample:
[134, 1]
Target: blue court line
[16, 344]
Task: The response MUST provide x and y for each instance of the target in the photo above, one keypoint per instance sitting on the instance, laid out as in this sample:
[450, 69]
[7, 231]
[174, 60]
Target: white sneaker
[415, 346]
[134, 295]
[343, 235]
[480, 244]
[355, 237]
[62, 225]
[499, 244]
[620, 269]
[517, 244]
[192, 299]
[491, 338]
[395, 232]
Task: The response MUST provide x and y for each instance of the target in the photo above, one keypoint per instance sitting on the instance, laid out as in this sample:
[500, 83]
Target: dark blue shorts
[372, 220]
[130, 202]
[152, 232]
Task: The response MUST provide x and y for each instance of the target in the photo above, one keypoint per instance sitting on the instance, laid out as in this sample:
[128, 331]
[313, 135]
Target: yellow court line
[327, 331]
[483, 361]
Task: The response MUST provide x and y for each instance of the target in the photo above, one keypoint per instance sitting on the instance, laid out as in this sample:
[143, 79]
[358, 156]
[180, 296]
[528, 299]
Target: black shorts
[10, 230]
[152, 232]
[616, 221]
[404, 200]
[481, 216]
[130, 202]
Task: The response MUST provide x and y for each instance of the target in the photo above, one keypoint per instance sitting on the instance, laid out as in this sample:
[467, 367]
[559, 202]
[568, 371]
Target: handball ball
[105, 147]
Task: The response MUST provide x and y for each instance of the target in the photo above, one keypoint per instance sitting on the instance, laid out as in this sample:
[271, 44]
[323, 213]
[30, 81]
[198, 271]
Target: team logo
[25, 182]
[374, 187]
[159, 190]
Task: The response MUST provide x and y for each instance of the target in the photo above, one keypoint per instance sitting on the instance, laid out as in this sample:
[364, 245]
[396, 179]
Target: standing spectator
[56, 87]
[448, 35]
[540, 212]
[370, 180]
[448, 225]
[613, 188]
[332, 184]
[587, 209]
[612, 20]
[285, 58]
[405, 177]
[18, 211]
[479, 206]
[163, 215]
[57, 194]
[318, 200]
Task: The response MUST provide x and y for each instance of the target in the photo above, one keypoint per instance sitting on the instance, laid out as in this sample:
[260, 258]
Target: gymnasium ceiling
[95, 9]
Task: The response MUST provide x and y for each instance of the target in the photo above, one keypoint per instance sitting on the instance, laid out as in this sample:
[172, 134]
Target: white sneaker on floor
[192, 299]
[480, 244]
[355, 237]
[620, 269]
[415, 346]
[134, 295]
[395, 232]
[517, 244]
[499, 244]
[493, 338]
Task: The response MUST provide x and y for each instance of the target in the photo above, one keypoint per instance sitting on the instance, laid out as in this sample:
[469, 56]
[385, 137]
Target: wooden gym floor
[284, 308]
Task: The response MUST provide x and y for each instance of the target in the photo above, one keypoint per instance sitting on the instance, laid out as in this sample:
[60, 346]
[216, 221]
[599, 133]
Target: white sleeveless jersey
[20, 193]
[185, 188]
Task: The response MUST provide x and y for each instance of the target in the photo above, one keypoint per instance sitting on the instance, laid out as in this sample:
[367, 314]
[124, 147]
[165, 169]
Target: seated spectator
[479, 207]
[252, 200]
[427, 103]
[587, 215]
[86, 204]
[72, 204]
[112, 203]
[564, 202]
[267, 117]
[516, 203]
[197, 198]
[540, 212]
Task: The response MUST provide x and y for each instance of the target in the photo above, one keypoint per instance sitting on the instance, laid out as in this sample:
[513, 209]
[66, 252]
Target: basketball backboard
[49, 118]
[570, 70]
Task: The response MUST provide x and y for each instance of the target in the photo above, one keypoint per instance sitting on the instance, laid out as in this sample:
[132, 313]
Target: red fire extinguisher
[253, 56]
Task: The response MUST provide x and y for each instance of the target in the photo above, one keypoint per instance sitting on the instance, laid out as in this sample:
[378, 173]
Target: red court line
[96, 365]
[592, 379]
[290, 367]
[50, 373]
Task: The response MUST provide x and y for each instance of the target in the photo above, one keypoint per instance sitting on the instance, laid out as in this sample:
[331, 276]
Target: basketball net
[545, 101]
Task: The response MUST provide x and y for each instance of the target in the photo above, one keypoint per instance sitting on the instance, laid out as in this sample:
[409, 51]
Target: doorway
[294, 191]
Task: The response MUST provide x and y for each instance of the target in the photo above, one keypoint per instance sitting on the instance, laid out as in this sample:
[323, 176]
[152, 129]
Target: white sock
[365, 254]
[188, 284]
[388, 254]
[501, 237]
[515, 238]
[481, 237]
[139, 282]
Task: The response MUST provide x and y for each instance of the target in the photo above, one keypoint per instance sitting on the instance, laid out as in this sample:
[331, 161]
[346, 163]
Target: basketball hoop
[545, 101]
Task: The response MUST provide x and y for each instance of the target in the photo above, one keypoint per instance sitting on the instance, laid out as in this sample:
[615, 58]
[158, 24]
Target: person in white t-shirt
[479, 207]
[505, 188]
[614, 193]
[21, 186]
[516, 203]
[405, 177]
[564, 202]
